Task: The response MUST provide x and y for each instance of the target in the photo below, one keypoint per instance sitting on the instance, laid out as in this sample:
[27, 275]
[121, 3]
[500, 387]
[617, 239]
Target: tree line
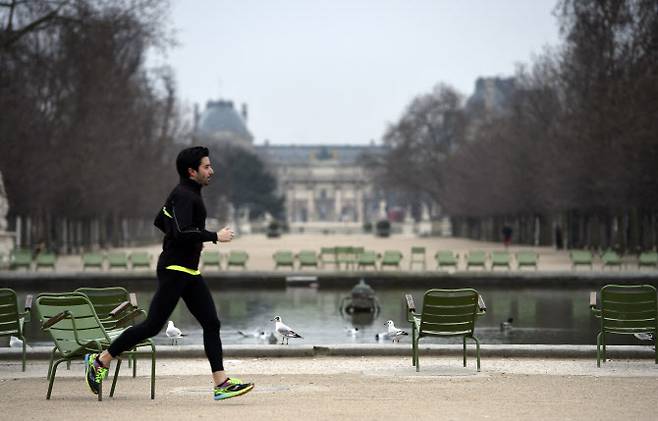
[570, 156]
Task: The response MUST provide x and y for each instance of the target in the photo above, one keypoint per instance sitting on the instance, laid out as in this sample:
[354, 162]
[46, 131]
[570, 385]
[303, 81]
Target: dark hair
[190, 158]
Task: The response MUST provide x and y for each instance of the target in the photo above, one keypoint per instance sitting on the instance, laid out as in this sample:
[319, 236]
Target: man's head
[194, 163]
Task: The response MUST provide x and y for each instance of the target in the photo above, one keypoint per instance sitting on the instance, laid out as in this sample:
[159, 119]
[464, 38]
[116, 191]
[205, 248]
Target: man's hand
[225, 235]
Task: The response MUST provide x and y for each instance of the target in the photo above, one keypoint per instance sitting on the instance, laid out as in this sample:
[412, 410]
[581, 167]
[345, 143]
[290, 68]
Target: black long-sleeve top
[183, 221]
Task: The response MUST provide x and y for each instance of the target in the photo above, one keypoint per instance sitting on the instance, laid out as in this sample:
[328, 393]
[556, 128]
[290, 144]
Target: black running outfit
[183, 221]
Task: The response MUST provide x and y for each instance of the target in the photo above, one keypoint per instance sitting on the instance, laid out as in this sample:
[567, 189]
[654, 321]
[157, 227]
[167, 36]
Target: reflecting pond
[540, 316]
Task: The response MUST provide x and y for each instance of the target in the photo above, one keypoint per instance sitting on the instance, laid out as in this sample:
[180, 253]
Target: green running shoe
[94, 373]
[231, 388]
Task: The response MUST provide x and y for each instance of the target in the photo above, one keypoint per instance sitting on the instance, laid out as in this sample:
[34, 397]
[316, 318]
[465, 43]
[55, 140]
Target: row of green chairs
[611, 259]
[234, 258]
[621, 310]
[117, 260]
[339, 257]
[481, 259]
[25, 259]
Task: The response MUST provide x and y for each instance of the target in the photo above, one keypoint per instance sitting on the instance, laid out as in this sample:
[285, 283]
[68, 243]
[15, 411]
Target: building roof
[306, 154]
[221, 120]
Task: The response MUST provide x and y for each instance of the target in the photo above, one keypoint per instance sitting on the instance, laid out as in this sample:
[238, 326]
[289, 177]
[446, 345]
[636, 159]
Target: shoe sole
[234, 394]
[87, 375]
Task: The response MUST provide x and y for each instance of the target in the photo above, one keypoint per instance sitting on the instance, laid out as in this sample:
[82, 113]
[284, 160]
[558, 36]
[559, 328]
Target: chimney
[197, 116]
[244, 112]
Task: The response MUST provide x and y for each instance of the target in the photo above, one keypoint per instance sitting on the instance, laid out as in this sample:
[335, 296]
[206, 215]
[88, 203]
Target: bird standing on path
[507, 325]
[352, 331]
[283, 330]
[393, 332]
[173, 332]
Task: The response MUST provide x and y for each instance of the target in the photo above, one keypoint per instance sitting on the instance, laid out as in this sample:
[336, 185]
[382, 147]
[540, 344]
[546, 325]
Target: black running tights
[173, 285]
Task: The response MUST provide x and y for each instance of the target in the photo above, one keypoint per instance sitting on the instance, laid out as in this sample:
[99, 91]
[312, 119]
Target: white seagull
[352, 331]
[283, 330]
[173, 332]
[394, 332]
[15, 342]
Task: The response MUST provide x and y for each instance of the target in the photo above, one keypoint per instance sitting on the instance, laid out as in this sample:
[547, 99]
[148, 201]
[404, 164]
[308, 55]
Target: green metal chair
[624, 310]
[20, 258]
[501, 259]
[307, 258]
[117, 310]
[328, 257]
[211, 258]
[391, 258]
[580, 258]
[611, 259]
[527, 259]
[11, 319]
[117, 259]
[283, 258]
[446, 258]
[476, 258]
[345, 256]
[417, 256]
[647, 259]
[45, 260]
[237, 258]
[140, 259]
[367, 258]
[445, 313]
[74, 327]
[92, 260]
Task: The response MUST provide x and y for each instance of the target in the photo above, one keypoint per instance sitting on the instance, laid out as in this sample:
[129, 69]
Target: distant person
[507, 235]
[182, 219]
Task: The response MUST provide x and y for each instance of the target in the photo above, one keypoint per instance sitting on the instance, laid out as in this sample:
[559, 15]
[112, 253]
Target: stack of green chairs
[417, 256]
[237, 258]
[117, 259]
[140, 259]
[526, 259]
[45, 259]
[20, 258]
[476, 258]
[367, 259]
[307, 258]
[92, 260]
[283, 258]
[446, 258]
[580, 258]
[391, 258]
[211, 258]
[500, 259]
[11, 318]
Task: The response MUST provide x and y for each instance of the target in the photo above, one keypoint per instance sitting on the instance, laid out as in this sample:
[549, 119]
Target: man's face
[202, 176]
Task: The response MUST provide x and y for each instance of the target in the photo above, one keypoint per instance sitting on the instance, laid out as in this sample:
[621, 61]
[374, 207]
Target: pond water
[540, 316]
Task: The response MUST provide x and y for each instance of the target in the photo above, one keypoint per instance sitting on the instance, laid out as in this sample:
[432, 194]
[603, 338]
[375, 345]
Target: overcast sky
[339, 71]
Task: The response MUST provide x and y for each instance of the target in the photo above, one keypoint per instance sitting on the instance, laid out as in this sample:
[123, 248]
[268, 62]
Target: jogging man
[183, 220]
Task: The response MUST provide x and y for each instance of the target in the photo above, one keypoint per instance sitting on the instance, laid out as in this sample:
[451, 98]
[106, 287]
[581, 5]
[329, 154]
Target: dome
[220, 120]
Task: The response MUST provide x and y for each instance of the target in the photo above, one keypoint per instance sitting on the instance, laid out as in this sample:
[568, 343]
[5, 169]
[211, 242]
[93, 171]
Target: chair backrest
[307, 257]
[140, 258]
[9, 314]
[526, 257]
[477, 257]
[117, 258]
[46, 258]
[211, 258]
[367, 257]
[237, 257]
[581, 257]
[284, 257]
[446, 256]
[92, 259]
[628, 309]
[83, 321]
[392, 256]
[648, 258]
[104, 300]
[500, 257]
[448, 312]
[418, 252]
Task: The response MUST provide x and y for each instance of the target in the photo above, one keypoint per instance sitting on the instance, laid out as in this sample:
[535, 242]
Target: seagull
[283, 330]
[393, 332]
[352, 331]
[173, 332]
[507, 325]
[258, 334]
[641, 336]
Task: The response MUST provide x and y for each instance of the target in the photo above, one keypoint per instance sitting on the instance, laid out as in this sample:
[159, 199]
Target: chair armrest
[133, 299]
[55, 319]
[125, 320]
[28, 302]
[120, 309]
[482, 306]
[411, 305]
[592, 299]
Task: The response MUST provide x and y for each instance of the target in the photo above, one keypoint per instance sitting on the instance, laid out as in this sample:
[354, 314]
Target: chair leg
[152, 371]
[133, 358]
[598, 350]
[116, 377]
[413, 344]
[464, 351]
[52, 377]
[477, 351]
[23, 353]
[605, 351]
[50, 365]
[416, 352]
